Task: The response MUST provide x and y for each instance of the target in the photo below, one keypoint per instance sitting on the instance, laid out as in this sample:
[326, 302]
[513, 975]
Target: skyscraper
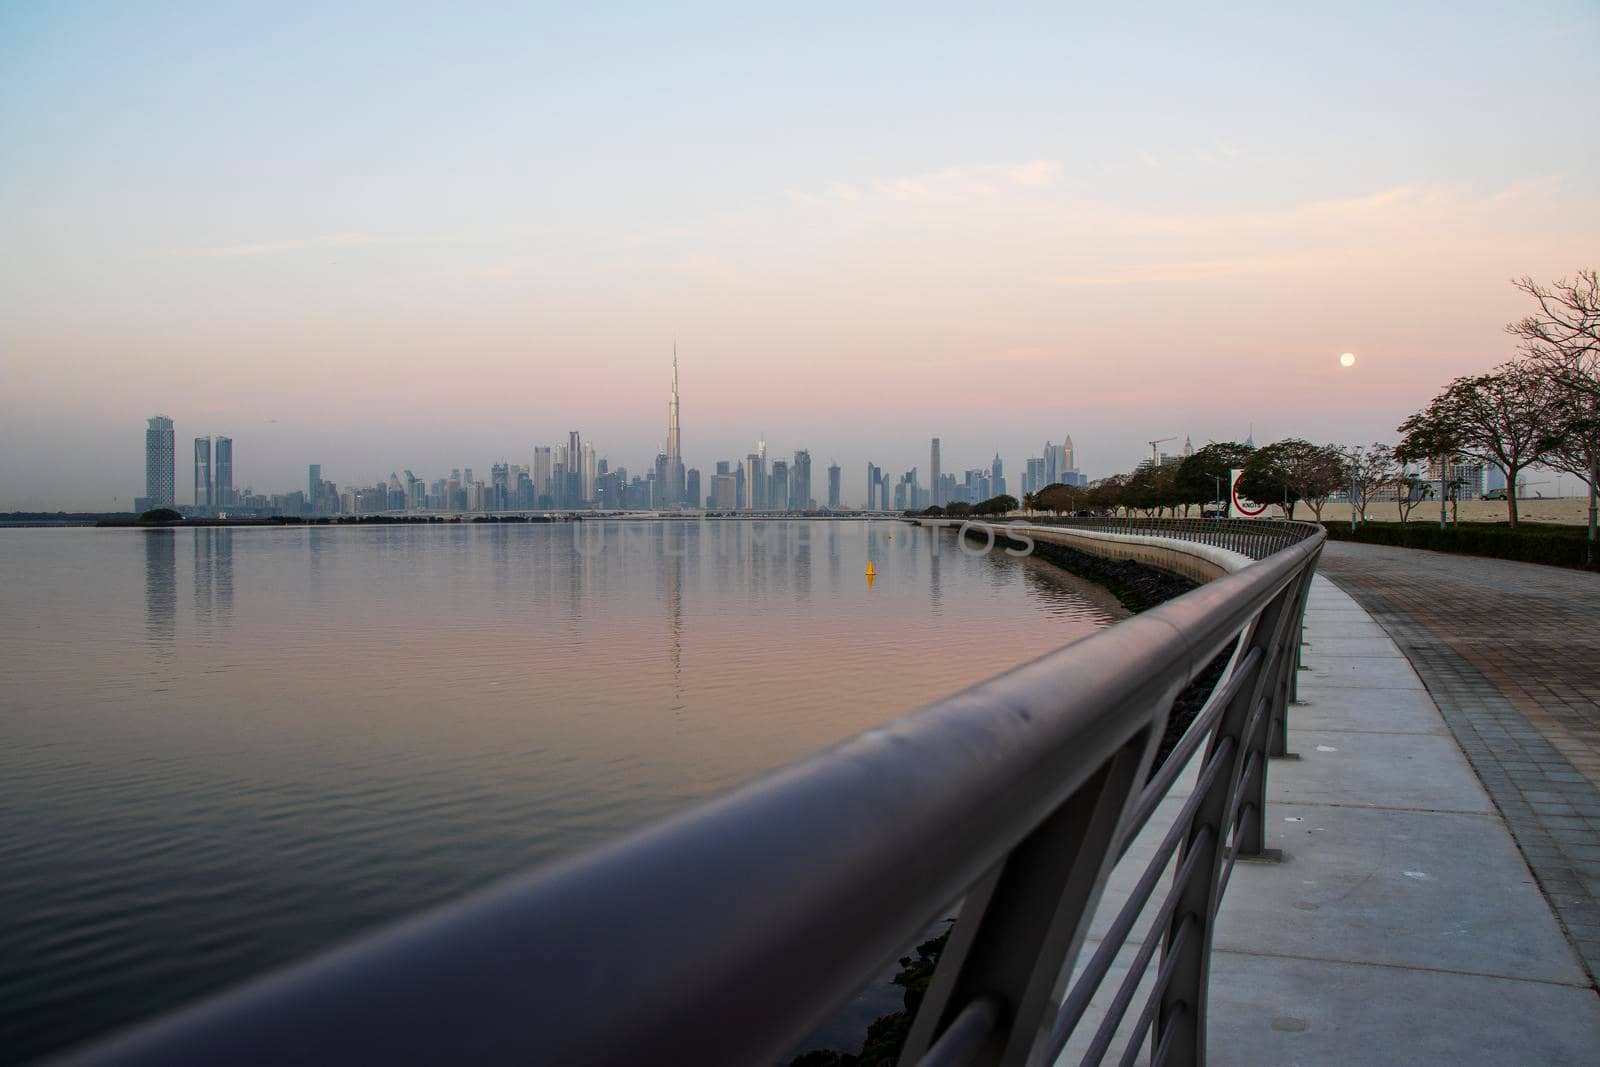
[833, 487]
[499, 485]
[800, 481]
[676, 490]
[314, 486]
[572, 492]
[202, 472]
[542, 471]
[691, 488]
[1057, 462]
[159, 463]
[222, 473]
[755, 481]
[997, 478]
[933, 471]
[778, 485]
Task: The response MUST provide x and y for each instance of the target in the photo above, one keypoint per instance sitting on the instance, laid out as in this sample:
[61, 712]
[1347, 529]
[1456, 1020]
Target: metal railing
[1256, 538]
[725, 934]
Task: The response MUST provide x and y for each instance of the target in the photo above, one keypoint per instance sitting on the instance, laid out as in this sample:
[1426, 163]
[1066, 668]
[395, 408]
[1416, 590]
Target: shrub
[1556, 546]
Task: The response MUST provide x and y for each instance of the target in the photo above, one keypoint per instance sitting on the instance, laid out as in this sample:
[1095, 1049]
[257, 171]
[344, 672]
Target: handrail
[727, 933]
[1256, 538]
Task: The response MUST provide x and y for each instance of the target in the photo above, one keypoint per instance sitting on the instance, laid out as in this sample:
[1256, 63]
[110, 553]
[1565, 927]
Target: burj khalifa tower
[675, 471]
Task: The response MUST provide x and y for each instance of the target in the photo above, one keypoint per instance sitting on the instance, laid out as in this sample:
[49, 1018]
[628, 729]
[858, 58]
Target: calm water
[224, 749]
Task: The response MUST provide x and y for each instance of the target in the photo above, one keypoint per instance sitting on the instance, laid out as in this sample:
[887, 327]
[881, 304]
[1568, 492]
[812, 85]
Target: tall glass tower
[222, 472]
[160, 462]
[202, 472]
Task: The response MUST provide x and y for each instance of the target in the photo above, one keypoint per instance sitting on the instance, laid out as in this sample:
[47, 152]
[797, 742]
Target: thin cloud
[272, 248]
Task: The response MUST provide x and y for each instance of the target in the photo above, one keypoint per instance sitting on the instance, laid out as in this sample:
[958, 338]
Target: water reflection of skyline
[160, 588]
[448, 703]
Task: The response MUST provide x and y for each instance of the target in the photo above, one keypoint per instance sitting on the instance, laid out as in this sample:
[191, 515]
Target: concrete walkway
[1403, 925]
[1510, 652]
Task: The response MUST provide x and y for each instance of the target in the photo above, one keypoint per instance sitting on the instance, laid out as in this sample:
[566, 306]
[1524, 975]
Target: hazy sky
[380, 237]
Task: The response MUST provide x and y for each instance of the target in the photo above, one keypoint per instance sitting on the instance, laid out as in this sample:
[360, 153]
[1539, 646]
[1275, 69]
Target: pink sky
[993, 262]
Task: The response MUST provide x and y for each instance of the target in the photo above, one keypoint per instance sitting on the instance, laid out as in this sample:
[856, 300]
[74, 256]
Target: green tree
[1290, 471]
[1203, 476]
[1510, 419]
[1562, 341]
[1057, 498]
[996, 505]
[1106, 495]
[1368, 469]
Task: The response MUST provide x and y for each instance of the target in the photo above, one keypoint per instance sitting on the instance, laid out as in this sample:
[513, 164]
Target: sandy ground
[1570, 510]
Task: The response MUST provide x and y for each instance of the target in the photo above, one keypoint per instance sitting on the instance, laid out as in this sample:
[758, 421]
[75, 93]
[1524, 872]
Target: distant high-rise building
[222, 472]
[691, 487]
[572, 492]
[933, 471]
[1033, 476]
[800, 481]
[1053, 462]
[499, 487]
[676, 489]
[874, 480]
[590, 470]
[314, 482]
[542, 471]
[1068, 459]
[755, 481]
[778, 485]
[833, 487]
[202, 472]
[558, 480]
[997, 478]
[724, 492]
[159, 461]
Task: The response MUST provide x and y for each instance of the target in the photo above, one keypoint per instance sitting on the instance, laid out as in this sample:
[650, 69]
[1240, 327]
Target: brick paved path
[1511, 654]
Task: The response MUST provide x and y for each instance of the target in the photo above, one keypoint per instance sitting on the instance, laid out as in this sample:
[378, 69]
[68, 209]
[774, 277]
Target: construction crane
[1155, 455]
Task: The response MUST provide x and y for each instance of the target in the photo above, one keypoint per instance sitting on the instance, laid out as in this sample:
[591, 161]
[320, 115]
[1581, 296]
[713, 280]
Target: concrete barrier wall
[1199, 562]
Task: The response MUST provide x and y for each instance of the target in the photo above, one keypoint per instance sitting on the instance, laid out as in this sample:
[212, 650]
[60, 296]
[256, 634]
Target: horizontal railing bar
[1077, 1001]
[1130, 981]
[1157, 788]
[965, 1037]
[1163, 978]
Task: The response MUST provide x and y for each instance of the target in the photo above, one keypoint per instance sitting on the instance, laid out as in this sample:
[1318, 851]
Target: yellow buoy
[870, 571]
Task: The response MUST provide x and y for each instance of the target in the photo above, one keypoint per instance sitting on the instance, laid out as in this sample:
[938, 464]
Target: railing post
[1181, 1021]
[1279, 745]
[1021, 926]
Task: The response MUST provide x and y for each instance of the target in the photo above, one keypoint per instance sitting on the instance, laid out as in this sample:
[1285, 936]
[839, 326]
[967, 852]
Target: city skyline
[551, 480]
[991, 231]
